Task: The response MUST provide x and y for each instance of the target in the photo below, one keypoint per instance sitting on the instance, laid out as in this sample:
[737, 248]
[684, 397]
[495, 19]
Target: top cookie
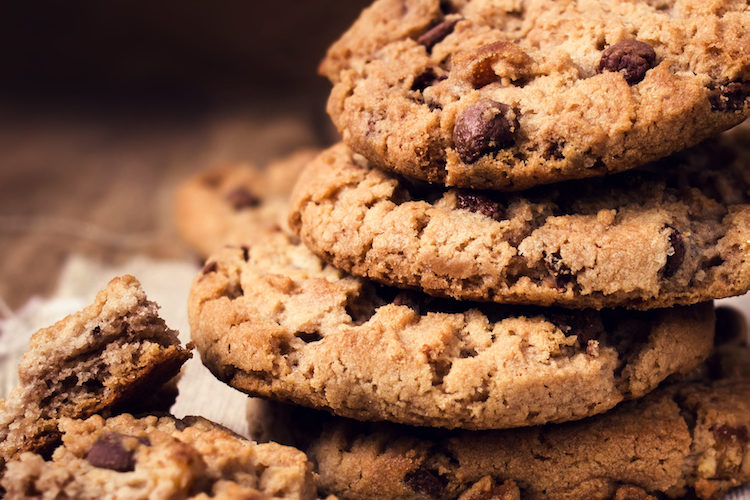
[234, 204]
[508, 95]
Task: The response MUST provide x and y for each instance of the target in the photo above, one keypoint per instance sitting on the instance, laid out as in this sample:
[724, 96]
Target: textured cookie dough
[233, 204]
[273, 320]
[511, 94]
[129, 458]
[111, 353]
[674, 232]
[692, 436]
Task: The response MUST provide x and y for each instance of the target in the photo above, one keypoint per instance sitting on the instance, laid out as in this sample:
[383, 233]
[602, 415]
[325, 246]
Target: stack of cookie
[503, 242]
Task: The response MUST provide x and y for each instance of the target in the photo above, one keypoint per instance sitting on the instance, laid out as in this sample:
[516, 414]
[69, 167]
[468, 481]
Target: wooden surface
[100, 183]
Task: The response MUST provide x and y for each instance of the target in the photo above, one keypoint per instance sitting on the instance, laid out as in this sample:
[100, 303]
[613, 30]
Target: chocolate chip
[108, 452]
[426, 79]
[210, 267]
[241, 198]
[630, 57]
[675, 254]
[245, 252]
[425, 482]
[308, 337]
[435, 34]
[479, 203]
[97, 330]
[728, 433]
[730, 97]
[482, 128]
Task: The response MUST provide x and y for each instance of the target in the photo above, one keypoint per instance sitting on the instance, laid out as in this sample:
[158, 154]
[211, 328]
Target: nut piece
[483, 127]
[631, 58]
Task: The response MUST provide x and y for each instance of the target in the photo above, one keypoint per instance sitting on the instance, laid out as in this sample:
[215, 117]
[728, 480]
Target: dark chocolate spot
[245, 252]
[425, 482]
[730, 97]
[586, 325]
[308, 337]
[553, 150]
[97, 330]
[482, 128]
[727, 433]
[477, 202]
[562, 273]
[675, 254]
[435, 34]
[108, 452]
[241, 198]
[210, 267]
[426, 79]
[632, 58]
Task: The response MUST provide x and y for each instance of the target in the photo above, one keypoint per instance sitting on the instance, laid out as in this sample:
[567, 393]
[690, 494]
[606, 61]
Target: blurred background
[106, 106]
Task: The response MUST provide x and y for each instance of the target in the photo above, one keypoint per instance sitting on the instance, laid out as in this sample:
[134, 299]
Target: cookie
[508, 95]
[104, 357]
[150, 457]
[233, 204]
[274, 321]
[691, 436]
[673, 232]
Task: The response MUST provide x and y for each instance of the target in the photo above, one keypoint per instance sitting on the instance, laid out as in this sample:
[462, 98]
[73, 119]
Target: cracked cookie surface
[273, 320]
[152, 457]
[672, 232]
[515, 93]
[689, 436]
[234, 204]
[94, 361]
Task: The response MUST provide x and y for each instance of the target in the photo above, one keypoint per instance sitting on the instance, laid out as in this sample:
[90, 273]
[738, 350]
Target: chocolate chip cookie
[150, 457]
[112, 352]
[233, 204]
[273, 320]
[690, 436]
[508, 95]
[673, 232]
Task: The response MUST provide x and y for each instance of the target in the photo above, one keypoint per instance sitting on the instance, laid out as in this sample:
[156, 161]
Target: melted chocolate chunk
[210, 267]
[482, 128]
[425, 482]
[435, 34]
[474, 201]
[728, 433]
[677, 255]
[108, 452]
[241, 198]
[630, 57]
[730, 97]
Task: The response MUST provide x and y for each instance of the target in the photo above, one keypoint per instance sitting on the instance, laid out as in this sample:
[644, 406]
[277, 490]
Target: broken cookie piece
[111, 353]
